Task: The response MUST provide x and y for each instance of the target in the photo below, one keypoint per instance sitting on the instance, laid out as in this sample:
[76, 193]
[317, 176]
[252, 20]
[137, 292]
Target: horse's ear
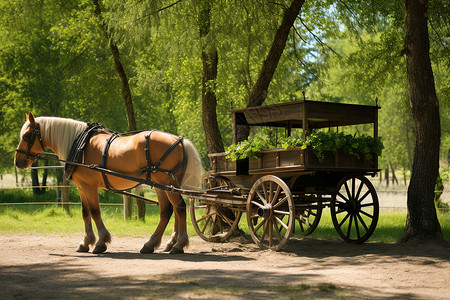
[30, 118]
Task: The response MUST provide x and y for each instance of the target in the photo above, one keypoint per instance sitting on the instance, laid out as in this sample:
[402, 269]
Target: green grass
[53, 219]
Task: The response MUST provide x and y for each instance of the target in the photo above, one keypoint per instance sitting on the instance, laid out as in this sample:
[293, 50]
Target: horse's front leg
[89, 236]
[165, 211]
[90, 196]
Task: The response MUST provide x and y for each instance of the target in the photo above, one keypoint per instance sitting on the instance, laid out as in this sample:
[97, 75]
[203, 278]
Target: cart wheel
[355, 209]
[214, 223]
[270, 212]
[309, 218]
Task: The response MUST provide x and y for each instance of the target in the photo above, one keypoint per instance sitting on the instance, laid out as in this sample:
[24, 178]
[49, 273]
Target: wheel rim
[214, 223]
[355, 209]
[270, 212]
[308, 219]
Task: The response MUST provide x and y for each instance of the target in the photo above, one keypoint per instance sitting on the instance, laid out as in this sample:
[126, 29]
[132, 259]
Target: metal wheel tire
[270, 212]
[355, 209]
[308, 219]
[214, 223]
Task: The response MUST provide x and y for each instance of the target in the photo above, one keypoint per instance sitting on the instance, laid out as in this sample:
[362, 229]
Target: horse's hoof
[99, 249]
[82, 248]
[176, 251]
[146, 250]
[168, 248]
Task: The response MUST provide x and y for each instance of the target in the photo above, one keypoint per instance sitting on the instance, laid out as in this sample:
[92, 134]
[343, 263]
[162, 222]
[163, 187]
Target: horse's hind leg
[165, 211]
[89, 236]
[179, 239]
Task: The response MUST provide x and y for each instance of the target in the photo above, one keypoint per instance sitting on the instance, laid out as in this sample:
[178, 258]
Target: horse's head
[28, 149]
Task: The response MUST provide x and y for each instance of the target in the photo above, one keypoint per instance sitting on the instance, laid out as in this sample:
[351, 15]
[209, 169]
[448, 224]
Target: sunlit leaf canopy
[55, 60]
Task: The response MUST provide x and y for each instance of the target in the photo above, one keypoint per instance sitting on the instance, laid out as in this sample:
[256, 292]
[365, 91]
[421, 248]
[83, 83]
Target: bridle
[35, 133]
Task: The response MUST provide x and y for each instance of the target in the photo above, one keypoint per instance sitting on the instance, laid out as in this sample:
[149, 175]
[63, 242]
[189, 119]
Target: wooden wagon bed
[303, 114]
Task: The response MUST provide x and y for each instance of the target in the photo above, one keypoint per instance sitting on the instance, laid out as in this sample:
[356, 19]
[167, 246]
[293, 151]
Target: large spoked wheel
[308, 218]
[355, 209]
[212, 222]
[270, 212]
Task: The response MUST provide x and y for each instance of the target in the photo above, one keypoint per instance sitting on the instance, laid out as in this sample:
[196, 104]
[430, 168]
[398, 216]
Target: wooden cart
[286, 189]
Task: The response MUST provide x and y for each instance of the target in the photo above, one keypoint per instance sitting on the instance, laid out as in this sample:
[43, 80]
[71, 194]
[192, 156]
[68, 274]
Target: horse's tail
[192, 177]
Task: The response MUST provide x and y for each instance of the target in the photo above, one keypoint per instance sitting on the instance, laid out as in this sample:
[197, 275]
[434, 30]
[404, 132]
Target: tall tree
[210, 60]
[259, 90]
[422, 220]
[126, 94]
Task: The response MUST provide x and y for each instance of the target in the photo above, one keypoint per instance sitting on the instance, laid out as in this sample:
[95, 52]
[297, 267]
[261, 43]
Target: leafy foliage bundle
[362, 146]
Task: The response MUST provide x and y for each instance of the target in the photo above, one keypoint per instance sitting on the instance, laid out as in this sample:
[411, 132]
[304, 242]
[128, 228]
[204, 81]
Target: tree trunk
[35, 179]
[422, 222]
[210, 61]
[394, 177]
[259, 90]
[126, 94]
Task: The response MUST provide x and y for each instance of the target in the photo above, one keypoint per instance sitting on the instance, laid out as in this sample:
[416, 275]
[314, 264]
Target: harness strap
[79, 145]
[147, 156]
[155, 168]
[104, 159]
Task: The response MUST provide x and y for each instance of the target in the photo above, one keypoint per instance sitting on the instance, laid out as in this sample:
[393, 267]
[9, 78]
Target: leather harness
[82, 140]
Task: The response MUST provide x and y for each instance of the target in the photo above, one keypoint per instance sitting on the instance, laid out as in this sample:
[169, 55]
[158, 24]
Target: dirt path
[46, 266]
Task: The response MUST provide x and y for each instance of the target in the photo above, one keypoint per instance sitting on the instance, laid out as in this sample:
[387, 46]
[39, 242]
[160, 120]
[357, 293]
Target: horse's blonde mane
[60, 132]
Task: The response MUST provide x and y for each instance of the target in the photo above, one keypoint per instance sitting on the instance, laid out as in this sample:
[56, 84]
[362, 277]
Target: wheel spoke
[349, 226]
[270, 233]
[265, 193]
[281, 212]
[263, 199]
[206, 225]
[260, 224]
[257, 204]
[361, 185]
[362, 222]
[277, 231]
[281, 223]
[343, 220]
[357, 227]
[270, 198]
[204, 217]
[342, 196]
[366, 214]
[353, 187]
[364, 196]
[347, 189]
[275, 197]
[266, 226]
[367, 204]
[280, 202]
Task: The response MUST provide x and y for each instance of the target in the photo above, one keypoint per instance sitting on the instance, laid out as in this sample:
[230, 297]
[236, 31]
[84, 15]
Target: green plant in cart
[359, 146]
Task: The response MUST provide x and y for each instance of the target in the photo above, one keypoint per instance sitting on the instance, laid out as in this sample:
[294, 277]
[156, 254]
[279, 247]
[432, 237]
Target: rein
[169, 188]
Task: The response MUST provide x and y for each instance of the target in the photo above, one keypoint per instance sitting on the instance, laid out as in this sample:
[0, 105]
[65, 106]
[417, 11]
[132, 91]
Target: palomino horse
[132, 155]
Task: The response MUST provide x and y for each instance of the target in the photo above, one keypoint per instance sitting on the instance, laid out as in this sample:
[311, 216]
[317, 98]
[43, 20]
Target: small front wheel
[355, 209]
[270, 212]
[213, 222]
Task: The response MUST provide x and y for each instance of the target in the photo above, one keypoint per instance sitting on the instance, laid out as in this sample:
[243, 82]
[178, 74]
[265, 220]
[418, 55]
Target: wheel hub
[265, 211]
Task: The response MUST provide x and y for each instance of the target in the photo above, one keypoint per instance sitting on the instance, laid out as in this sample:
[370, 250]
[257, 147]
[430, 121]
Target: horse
[159, 156]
